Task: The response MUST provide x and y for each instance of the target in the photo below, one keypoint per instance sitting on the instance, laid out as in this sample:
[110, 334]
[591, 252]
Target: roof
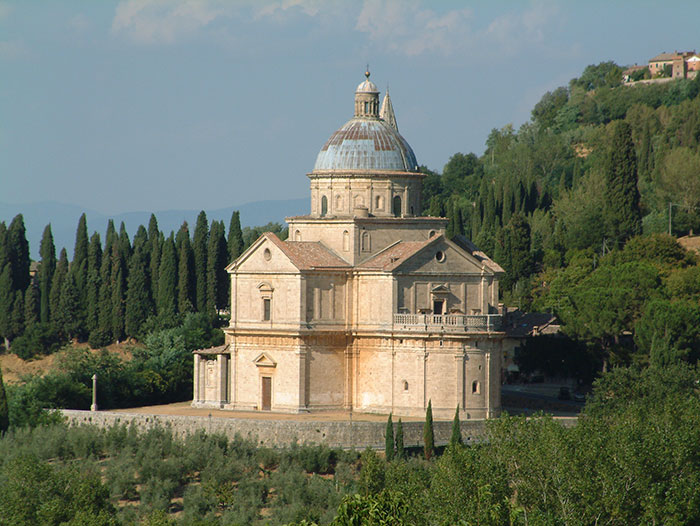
[307, 255]
[466, 244]
[394, 255]
[366, 144]
[386, 112]
[211, 350]
[661, 57]
[522, 324]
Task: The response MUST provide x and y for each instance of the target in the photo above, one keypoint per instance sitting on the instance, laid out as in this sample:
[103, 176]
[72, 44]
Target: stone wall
[280, 433]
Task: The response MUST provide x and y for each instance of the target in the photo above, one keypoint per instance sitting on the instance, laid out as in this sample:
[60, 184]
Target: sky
[201, 104]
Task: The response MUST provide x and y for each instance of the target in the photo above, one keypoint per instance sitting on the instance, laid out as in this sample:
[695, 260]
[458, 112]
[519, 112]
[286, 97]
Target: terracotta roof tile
[392, 256]
[307, 255]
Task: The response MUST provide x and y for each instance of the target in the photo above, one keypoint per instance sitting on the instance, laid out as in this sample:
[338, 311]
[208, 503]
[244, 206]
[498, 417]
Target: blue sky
[186, 104]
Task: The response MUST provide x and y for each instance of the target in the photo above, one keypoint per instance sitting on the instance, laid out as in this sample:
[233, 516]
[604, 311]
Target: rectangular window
[266, 309]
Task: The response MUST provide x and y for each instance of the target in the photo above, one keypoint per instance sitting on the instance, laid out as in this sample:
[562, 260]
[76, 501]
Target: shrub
[39, 339]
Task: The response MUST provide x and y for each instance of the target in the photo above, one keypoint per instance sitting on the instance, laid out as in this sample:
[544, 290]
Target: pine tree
[456, 438]
[217, 291]
[235, 237]
[389, 440]
[31, 305]
[167, 299]
[199, 247]
[17, 249]
[139, 305]
[47, 267]
[94, 278]
[4, 408]
[428, 434]
[185, 274]
[400, 451]
[57, 283]
[623, 217]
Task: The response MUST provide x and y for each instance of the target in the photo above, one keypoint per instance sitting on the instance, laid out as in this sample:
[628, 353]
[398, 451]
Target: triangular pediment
[443, 257]
[264, 255]
[264, 360]
[440, 289]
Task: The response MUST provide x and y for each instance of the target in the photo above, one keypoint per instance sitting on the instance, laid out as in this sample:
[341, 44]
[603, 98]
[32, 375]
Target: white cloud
[308, 7]
[164, 21]
[411, 29]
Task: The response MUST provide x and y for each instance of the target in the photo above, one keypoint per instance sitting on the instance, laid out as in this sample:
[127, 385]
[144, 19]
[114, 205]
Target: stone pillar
[93, 407]
[195, 386]
[221, 378]
[301, 355]
[459, 378]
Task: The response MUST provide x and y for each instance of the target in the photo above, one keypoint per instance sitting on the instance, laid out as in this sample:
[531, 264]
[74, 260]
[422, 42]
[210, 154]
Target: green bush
[38, 340]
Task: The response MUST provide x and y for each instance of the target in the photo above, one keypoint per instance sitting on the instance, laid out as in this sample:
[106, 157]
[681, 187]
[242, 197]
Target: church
[367, 306]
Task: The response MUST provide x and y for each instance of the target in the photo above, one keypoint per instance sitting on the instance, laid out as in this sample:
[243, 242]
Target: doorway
[438, 306]
[266, 393]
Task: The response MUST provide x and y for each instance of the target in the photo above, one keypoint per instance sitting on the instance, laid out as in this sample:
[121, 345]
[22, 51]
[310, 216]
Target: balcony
[447, 322]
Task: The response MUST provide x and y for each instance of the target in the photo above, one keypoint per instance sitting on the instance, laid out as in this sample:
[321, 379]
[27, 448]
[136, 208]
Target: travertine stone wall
[281, 433]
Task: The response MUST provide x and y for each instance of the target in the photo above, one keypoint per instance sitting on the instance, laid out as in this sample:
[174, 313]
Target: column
[195, 387]
[221, 378]
[459, 379]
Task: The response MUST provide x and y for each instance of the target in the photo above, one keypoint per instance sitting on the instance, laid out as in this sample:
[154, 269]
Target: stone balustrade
[448, 322]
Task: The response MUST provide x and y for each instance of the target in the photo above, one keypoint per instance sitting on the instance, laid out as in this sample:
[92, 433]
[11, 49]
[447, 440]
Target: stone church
[367, 306]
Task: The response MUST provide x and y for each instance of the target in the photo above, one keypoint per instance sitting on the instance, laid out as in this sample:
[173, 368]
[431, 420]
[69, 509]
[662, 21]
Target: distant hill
[64, 219]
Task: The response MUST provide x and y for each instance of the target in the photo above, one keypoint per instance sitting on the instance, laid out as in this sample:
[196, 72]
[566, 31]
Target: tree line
[571, 203]
[113, 290]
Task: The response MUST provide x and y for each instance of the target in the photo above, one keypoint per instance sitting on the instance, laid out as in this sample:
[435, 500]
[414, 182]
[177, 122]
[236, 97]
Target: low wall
[280, 433]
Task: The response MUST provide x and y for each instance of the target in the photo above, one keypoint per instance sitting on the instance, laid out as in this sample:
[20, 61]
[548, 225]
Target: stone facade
[367, 306]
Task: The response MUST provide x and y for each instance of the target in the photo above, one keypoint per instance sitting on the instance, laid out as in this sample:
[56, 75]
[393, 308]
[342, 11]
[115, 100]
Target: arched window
[346, 241]
[338, 203]
[297, 235]
[359, 201]
[397, 206]
[475, 387]
[324, 206]
[405, 385]
[379, 202]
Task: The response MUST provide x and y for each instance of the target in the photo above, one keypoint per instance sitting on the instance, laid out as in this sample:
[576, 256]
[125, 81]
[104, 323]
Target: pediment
[440, 289]
[265, 255]
[443, 257]
[264, 360]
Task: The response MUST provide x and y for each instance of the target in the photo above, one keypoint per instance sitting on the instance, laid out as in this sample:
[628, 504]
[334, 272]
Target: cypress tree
[400, 451]
[6, 303]
[4, 408]
[185, 274]
[124, 243]
[199, 247]
[57, 283]
[450, 230]
[110, 237]
[155, 240]
[217, 291]
[17, 249]
[78, 266]
[623, 216]
[94, 278]
[118, 281]
[428, 434]
[139, 305]
[47, 267]
[456, 437]
[235, 237]
[389, 440]
[140, 239]
[166, 300]
[31, 305]
[68, 315]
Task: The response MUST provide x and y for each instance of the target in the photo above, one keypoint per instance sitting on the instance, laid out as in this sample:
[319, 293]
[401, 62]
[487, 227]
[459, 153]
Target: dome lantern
[367, 99]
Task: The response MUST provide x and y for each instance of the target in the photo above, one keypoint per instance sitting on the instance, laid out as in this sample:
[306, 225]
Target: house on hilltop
[680, 63]
[367, 307]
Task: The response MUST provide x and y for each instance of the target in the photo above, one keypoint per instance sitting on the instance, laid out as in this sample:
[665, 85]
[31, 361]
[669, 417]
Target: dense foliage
[632, 458]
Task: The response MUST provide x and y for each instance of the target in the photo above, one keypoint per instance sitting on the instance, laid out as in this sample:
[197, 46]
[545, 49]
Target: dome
[366, 86]
[366, 145]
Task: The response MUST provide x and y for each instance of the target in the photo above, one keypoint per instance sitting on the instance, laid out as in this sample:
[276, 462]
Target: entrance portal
[266, 393]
